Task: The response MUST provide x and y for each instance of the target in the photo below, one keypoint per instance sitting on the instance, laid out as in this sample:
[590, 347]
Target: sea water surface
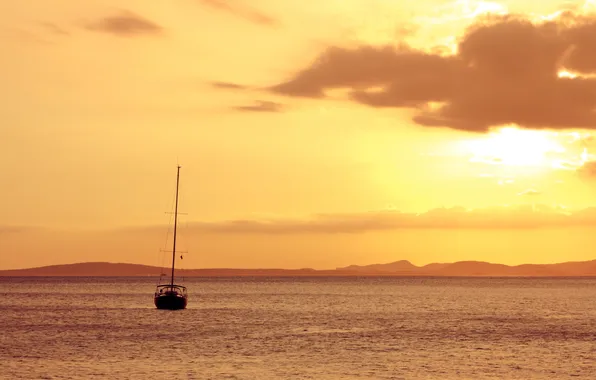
[300, 328]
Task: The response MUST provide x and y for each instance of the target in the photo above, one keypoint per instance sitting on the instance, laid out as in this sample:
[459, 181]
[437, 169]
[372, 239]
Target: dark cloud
[588, 170]
[522, 217]
[240, 10]
[125, 24]
[505, 71]
[261, 106]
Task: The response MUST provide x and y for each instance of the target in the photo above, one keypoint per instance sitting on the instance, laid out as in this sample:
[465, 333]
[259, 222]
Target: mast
[175, 224]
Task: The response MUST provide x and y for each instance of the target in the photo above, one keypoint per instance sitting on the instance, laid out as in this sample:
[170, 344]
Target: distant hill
[398, 268]
[478, 268]
[120, 269]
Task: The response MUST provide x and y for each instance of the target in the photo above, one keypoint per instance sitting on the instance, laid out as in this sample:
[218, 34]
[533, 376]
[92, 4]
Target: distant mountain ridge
[479, 268]
[397, 268]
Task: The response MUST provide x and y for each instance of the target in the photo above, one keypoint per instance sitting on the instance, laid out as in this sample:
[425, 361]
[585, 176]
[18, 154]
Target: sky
[310, 133]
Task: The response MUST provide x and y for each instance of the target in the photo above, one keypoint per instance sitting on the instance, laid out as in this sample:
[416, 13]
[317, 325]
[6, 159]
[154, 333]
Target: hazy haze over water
[282, 328]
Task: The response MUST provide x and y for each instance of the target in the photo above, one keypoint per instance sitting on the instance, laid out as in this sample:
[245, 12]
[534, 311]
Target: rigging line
[175, 226]
[182, 237]
[187, 236]
[183, 244]
[161, 260]
[161, 254]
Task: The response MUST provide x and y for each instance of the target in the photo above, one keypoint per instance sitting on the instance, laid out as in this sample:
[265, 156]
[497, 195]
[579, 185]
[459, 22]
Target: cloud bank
[507, 70]
[588, 170]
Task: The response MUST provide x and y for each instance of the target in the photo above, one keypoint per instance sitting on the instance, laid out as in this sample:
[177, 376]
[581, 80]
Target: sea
[299, 328]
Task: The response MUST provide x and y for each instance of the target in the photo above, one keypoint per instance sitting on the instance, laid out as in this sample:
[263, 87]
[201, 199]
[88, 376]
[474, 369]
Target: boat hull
[170, 302]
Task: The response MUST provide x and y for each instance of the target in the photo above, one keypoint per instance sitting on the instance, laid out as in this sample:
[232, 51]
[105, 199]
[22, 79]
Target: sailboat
[171, 296]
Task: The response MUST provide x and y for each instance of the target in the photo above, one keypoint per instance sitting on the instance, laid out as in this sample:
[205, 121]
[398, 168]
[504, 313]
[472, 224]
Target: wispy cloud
[529, 192]
[506, 70]
[6, 229]
[497, 218]
[24, 36]
[520, 217]
[261, 106]
[54, 28]
[126, 24]
[228, 85]
[241, 10]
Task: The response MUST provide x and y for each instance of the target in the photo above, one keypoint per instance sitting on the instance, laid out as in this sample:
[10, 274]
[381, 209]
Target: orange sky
[311, 133]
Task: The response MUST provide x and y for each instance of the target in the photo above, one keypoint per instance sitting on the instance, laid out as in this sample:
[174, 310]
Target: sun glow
[567, 74]
[474, 9]
[516, 147]
[573, 75]
[463, 9]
